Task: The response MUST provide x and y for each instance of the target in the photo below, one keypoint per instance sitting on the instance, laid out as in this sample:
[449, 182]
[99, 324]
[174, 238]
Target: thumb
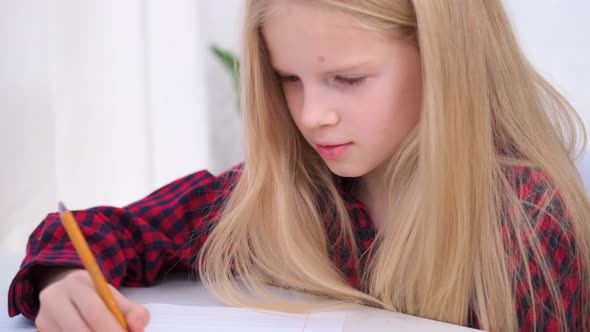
[136, 316]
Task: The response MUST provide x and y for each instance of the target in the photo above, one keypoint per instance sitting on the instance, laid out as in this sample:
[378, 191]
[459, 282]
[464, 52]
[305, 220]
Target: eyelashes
[289, 78]
[350, 80]
[345, 80]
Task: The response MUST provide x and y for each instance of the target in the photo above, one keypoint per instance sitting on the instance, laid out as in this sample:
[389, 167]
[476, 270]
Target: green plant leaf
[231, 63]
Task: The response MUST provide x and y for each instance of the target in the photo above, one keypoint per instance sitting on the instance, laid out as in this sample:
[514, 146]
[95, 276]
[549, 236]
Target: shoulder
[225, 180]
[544, 225]
[548, 219]
[550, 231]
[233, 174]
[540, 199]
[200, 184]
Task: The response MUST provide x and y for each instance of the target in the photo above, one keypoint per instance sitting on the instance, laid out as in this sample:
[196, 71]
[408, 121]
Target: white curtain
[555, 36]
[104, 101]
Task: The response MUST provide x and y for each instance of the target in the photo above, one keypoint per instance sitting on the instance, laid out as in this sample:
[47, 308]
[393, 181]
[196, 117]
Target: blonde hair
[486, 111]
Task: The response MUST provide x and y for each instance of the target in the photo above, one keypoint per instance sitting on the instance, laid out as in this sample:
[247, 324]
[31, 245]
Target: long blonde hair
[485, 112]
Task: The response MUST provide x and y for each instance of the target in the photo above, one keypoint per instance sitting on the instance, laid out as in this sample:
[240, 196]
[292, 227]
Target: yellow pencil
[89, 263]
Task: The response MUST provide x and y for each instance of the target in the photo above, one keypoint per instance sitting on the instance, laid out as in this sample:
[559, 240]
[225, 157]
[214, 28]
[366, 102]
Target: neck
[374, 195]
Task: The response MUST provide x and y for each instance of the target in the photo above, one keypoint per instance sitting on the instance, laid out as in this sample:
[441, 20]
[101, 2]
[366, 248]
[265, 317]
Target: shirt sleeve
[133, 244]
[558, 246]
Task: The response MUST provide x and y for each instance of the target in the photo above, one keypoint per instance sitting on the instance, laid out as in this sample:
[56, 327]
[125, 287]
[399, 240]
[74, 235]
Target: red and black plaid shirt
[137, 243]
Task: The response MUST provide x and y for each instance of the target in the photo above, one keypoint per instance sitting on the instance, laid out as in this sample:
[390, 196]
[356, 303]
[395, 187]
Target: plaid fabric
[134, 245]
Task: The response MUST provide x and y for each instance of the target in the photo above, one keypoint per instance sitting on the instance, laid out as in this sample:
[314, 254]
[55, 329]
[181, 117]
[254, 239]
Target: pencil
[89, 263]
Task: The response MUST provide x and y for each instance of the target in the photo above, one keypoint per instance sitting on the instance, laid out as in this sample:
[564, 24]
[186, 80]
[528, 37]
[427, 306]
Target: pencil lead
[62, 208]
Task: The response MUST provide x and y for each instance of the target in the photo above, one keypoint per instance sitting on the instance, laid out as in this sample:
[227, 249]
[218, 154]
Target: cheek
[388, 116]
[294, 100]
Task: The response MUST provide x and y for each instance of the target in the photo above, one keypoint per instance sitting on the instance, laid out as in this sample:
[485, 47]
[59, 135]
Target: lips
[333, 152]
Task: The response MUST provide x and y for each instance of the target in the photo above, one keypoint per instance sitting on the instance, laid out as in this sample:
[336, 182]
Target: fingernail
[141, 320]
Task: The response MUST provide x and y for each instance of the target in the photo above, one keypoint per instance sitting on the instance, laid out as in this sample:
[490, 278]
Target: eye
[289, 78]
[350, 80]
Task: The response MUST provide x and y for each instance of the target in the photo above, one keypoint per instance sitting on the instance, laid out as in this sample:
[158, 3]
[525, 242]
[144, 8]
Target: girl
[400, 154]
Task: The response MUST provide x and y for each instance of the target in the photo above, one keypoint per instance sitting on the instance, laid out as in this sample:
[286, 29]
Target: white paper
[177, 318]
[15, 324]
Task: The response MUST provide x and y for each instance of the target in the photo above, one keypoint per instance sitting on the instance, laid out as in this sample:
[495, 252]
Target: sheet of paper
[16, 324]
[177, 318]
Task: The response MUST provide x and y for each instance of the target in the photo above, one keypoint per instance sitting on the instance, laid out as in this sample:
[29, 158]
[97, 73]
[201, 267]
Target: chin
[347, 169]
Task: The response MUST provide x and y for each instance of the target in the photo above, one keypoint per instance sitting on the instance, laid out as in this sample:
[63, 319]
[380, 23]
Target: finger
[71, 319]
[138, 319]
[45, 320]
[44, 323]
[93, 309]
[137, 316]
[57, 313]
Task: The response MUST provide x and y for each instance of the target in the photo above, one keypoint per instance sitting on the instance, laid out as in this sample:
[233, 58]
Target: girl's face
[354, 93]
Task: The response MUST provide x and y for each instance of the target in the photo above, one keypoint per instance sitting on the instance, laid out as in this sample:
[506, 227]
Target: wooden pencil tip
[62, 208]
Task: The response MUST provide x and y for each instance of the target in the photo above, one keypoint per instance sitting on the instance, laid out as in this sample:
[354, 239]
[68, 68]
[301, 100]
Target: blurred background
[104, 101]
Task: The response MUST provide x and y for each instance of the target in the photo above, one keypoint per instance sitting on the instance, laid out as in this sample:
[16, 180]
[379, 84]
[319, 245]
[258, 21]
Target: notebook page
[177, 318]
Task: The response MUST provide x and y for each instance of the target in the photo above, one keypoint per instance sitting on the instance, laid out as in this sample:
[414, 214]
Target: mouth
[333, 152]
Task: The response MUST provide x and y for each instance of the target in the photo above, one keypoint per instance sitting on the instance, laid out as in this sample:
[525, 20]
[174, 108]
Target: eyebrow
[331, 71]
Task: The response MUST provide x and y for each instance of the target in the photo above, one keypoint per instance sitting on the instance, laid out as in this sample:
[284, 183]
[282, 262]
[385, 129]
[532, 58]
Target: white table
[178, 290]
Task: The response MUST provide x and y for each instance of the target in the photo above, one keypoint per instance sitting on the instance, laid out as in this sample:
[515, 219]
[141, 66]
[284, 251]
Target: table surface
[176, 289]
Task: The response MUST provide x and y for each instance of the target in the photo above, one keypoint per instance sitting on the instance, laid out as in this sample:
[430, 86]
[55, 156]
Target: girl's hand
[69, 302]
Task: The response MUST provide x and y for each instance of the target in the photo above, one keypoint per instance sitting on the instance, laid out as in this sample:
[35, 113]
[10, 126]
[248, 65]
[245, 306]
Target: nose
[318, 110]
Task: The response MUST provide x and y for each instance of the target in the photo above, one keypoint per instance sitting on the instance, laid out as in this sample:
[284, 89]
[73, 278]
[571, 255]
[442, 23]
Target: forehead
[308, 12]
[297, 30]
